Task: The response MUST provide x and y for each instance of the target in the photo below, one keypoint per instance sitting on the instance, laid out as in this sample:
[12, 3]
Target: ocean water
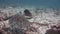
[29, 3]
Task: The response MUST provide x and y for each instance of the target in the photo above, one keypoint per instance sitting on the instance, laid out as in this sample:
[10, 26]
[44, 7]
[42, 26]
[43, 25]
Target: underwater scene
[29, 16]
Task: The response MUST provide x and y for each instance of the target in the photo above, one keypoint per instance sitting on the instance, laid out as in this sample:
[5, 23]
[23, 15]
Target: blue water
[36, 3]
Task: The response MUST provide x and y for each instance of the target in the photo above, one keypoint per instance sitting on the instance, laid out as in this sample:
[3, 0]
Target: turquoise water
[36, 3]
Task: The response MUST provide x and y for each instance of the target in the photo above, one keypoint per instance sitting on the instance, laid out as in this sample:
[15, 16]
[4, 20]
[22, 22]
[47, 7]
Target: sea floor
[29, 20]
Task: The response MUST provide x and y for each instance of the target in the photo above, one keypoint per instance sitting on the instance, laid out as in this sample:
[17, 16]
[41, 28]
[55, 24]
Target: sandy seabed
[29, 20]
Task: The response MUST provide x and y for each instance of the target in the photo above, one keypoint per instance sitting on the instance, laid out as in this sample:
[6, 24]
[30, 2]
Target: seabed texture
[29, 20]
